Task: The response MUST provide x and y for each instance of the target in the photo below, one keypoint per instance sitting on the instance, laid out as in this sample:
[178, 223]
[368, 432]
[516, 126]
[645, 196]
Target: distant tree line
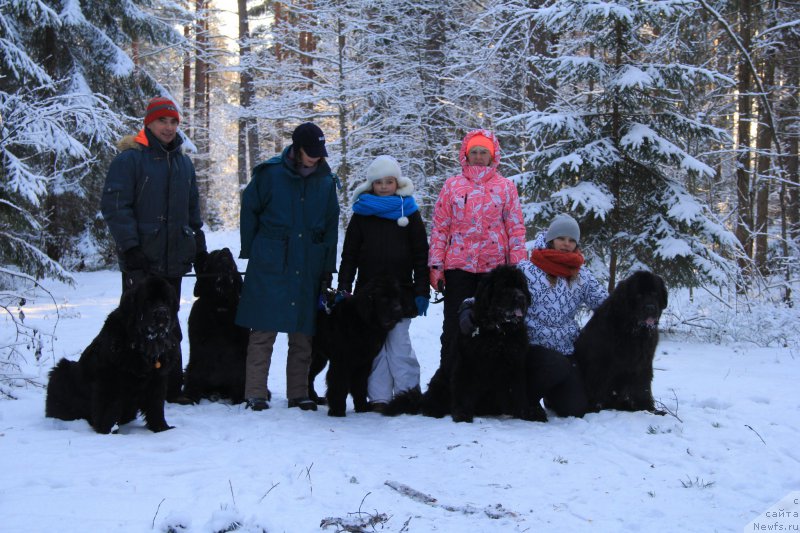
[669, 128]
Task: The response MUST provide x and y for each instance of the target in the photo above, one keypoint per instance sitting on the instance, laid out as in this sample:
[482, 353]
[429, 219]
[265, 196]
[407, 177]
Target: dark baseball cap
[310, 138]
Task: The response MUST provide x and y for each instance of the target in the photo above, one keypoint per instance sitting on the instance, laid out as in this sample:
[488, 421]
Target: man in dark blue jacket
[289, 230]
[150, 203]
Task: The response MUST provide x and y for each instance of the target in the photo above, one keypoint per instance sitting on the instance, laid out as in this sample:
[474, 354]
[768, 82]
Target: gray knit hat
[563, 226]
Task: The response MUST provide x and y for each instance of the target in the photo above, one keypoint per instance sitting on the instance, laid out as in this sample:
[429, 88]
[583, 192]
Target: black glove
[200, 241]
[201, 254]
[325, 281]
[465, 317]
[134, 259]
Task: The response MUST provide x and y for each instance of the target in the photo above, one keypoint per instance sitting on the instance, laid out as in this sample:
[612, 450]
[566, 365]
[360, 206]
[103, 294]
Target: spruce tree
[615, 147]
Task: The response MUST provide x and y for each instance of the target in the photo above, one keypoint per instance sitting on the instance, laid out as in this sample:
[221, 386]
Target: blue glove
[340, 297]
[422, 305]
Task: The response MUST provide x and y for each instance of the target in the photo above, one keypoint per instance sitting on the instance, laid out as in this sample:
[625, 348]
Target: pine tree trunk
[186, 118]
[435, 122]
[308, 44]
[744, 167]
[201, 104]
[790, 200]
[248, 127]
[344, 166]
[763, 180]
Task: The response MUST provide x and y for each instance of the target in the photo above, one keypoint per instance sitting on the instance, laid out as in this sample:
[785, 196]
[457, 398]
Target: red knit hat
[160, 107]
[482, 141]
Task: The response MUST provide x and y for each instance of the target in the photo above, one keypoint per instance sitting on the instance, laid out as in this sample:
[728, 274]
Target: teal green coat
[289, 232]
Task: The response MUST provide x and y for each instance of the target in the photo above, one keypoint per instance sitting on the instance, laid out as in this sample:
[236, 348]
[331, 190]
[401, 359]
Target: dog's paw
[433, 411]
[160, 428]
[533, 414]
[336, 412]
[462, 417]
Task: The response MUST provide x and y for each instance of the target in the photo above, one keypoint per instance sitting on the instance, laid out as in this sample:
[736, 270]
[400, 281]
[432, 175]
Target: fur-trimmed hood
[144, 138]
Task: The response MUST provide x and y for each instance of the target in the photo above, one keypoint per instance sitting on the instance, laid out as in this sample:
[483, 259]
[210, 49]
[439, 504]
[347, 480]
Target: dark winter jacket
[150, 199]
[289, 232]
[375, 245]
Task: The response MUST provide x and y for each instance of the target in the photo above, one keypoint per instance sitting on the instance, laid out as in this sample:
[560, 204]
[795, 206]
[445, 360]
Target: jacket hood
[145, 138]
[462, 153]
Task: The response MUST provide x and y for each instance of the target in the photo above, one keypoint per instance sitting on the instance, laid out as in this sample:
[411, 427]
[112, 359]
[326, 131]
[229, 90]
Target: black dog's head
[379, 302]
[219, 279]
[150, 309]
[641, 296]
[502, 299]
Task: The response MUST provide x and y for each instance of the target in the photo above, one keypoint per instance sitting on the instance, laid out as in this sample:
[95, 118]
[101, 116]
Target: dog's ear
[662, 292]
[365, 307]
[173, 298]
[204, 286]
[197, 285]
[620, 298]
[161, 291]
[521, 282]
[483, 298]
[127, 304]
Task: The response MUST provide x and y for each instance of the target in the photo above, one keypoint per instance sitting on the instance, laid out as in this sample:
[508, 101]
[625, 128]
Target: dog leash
[439, 290]
[209, 274]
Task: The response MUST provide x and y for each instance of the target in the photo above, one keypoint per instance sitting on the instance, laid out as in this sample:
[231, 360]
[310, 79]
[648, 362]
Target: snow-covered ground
[729, 453]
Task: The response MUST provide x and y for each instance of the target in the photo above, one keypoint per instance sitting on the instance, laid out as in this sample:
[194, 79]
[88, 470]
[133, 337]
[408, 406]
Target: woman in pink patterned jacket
[477, 225]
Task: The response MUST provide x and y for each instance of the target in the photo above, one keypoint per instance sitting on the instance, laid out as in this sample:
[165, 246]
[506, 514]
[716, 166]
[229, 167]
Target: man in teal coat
[289, 231]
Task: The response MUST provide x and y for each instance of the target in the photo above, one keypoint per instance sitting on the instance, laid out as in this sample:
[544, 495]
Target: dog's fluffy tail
[406, 403]
[67, 392]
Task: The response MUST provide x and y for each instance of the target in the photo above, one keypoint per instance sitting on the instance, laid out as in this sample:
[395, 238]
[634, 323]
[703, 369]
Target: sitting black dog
[217, 346]
[350, 337]
[124, 370]
[486, 369]
[616, 347]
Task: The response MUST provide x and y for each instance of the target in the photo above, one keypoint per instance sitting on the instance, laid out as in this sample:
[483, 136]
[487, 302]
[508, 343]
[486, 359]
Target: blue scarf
[391, 207]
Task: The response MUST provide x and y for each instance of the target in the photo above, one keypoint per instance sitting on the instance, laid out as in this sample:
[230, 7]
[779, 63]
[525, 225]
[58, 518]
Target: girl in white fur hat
[386, 236]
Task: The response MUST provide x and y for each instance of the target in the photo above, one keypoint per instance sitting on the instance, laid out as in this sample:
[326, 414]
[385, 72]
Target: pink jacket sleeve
[440, 229]
[515, 227]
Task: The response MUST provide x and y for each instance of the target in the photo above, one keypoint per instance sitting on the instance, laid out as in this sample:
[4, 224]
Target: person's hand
[342, 293]
[422, 305]
[200, 261]
[466, 322]
[134, 259]
[325, 281]
[200, 241]
[437, 279]
[201, 253]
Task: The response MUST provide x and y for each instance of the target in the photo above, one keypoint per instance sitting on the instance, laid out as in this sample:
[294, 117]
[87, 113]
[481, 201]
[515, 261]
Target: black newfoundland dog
[485, 372]
[350, 337]
[615, 349]
[124, 370]
[217, 346]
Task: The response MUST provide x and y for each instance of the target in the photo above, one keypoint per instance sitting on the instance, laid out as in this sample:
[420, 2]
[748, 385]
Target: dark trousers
[556, 378]
[175, 378]
[459, 285]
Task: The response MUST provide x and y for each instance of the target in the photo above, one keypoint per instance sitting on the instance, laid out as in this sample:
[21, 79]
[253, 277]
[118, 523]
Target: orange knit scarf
[556, 263]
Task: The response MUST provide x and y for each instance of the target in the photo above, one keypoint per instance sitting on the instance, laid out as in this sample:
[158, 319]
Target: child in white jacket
[559, 287]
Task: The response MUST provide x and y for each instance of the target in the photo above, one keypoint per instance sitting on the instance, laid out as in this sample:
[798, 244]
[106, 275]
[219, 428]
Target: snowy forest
[668, 128]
